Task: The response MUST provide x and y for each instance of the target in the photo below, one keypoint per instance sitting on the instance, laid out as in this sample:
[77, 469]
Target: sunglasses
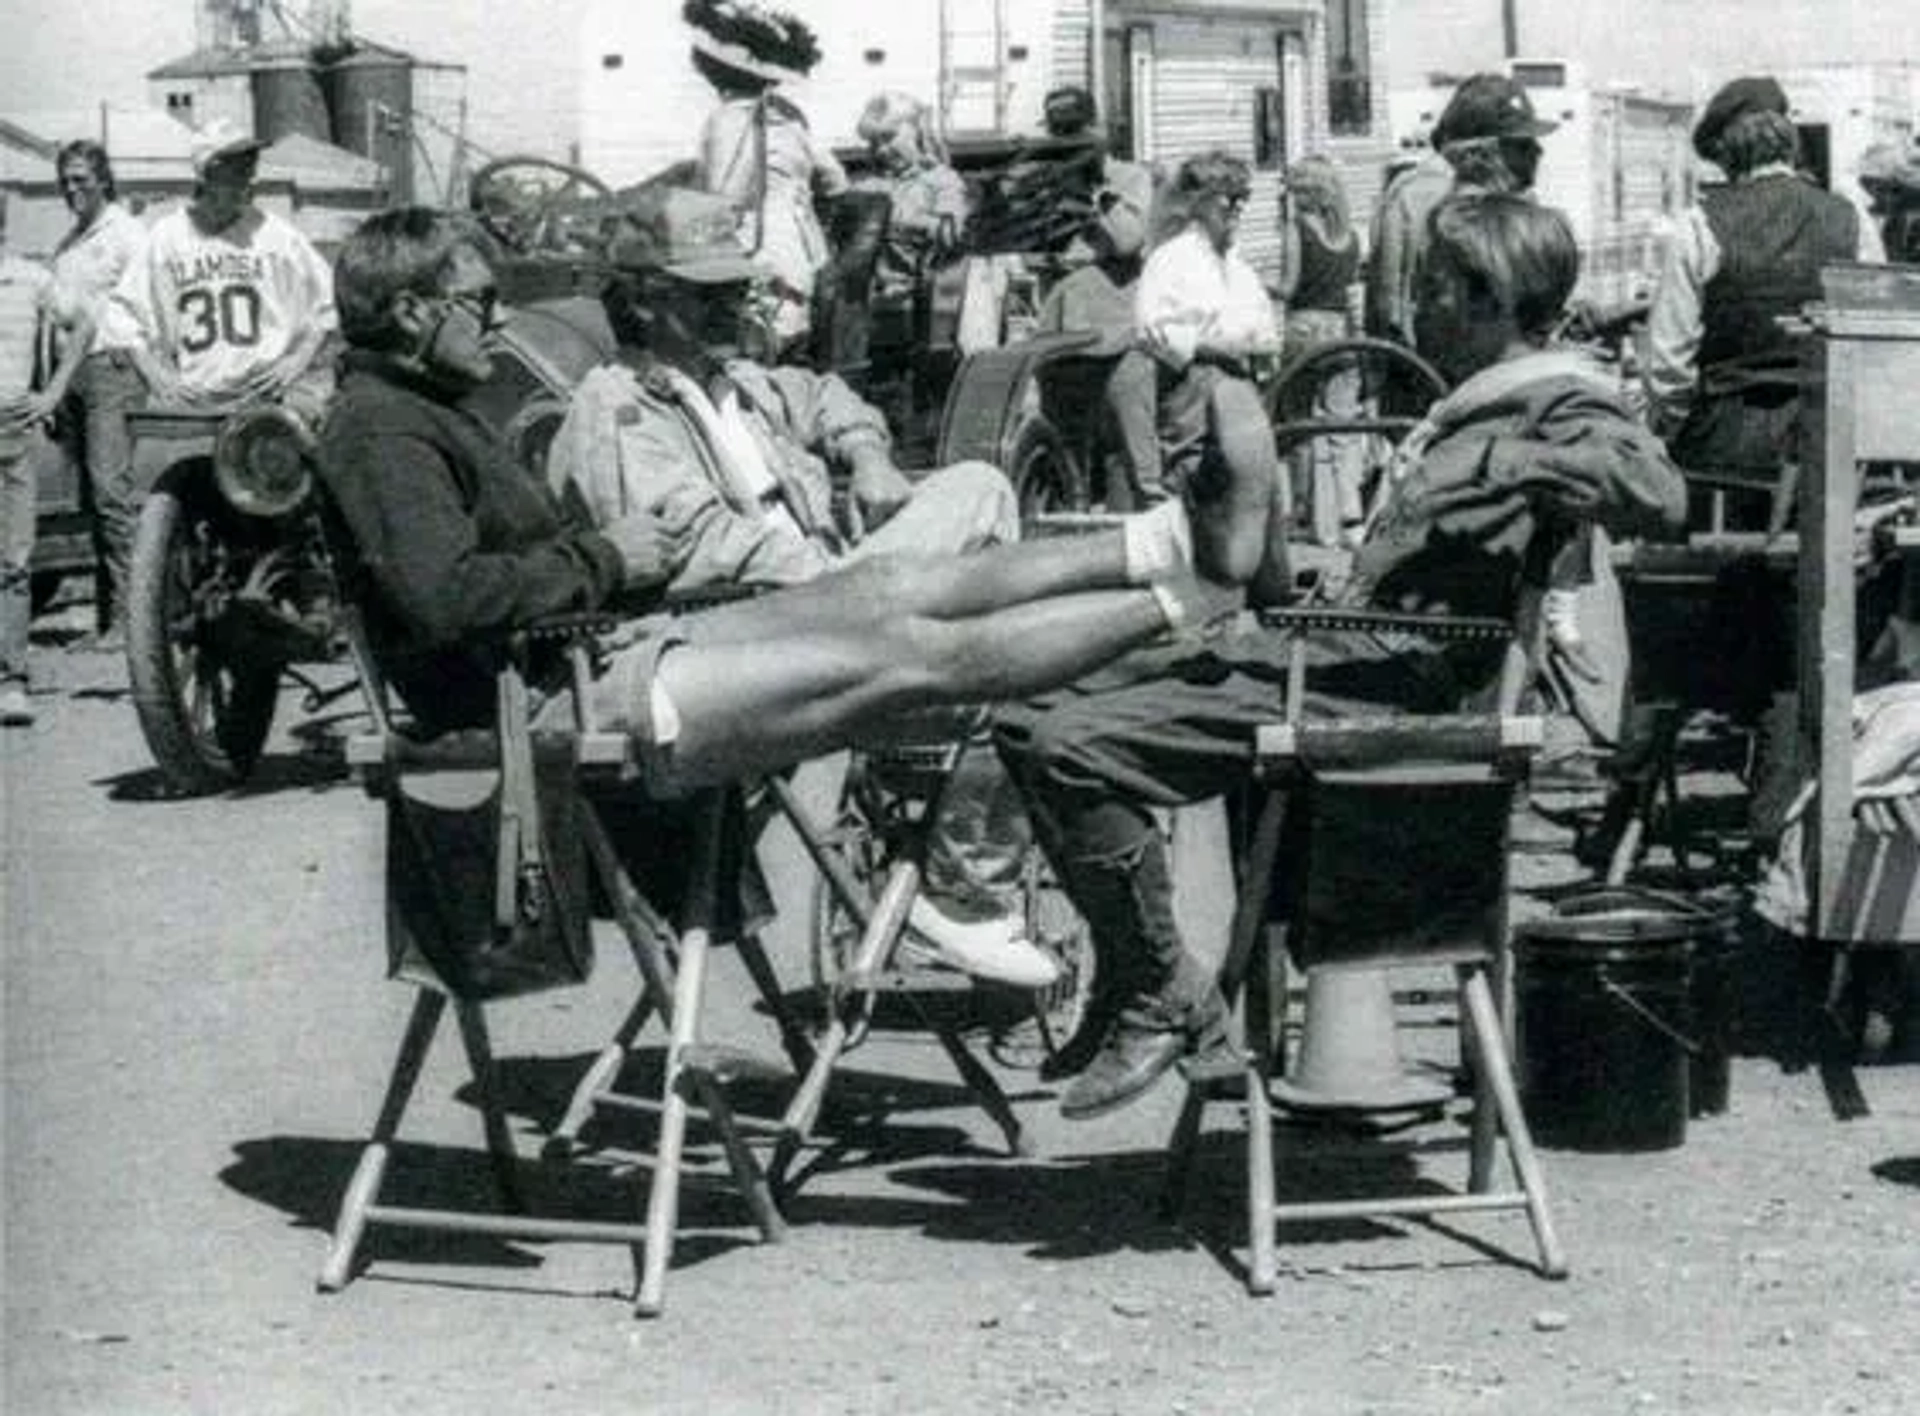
[483, 305]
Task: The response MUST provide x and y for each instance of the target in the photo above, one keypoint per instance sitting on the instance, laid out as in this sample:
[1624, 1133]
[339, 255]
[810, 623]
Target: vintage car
[63, 544]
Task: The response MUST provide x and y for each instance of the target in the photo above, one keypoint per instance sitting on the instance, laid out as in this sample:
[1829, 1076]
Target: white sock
[1158, 542]
[1170, 605]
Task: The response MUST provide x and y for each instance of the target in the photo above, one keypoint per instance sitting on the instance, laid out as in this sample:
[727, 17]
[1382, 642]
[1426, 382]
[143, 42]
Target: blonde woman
[1323, 261]
[930, 204]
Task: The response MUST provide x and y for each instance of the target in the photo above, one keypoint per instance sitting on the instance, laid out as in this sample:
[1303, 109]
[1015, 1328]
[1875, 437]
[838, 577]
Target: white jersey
[221, 306]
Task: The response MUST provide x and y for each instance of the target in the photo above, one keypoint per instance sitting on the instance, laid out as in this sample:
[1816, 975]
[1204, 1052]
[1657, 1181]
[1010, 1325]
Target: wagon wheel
[528, 202]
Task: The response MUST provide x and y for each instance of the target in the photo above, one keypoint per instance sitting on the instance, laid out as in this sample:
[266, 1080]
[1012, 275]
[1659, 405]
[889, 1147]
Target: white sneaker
[996, 949]
[15, 709]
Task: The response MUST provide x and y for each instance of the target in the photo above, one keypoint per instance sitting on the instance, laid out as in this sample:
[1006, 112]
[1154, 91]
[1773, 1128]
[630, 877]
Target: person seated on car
[226, 303]
[1099, 296]
[453, 544]
[930, 201]
[1531, 444]
[740, 459]
[1207, 320]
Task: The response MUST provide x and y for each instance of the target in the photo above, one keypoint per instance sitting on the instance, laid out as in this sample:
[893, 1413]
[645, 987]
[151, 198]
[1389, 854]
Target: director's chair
[488, 895]
[1385, 842]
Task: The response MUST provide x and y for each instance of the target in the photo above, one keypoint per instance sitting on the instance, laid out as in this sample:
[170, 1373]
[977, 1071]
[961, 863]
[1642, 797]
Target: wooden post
[1859, 372]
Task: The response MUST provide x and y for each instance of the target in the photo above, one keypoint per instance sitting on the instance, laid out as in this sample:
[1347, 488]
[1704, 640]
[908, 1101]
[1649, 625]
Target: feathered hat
[767, 44]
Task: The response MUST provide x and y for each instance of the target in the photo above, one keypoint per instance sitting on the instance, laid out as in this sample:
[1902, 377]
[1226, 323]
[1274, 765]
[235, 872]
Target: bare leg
[749, 707]
[935, 588]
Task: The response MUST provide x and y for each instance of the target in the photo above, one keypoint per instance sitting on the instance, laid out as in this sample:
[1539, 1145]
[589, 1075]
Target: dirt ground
[196, 1030]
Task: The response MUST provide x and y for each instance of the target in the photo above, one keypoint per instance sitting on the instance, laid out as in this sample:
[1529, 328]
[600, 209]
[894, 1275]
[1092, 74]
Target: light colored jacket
[649, 440]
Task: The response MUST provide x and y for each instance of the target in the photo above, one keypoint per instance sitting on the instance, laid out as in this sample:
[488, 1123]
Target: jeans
[107, 388]
[19, 477]
[1170, 726]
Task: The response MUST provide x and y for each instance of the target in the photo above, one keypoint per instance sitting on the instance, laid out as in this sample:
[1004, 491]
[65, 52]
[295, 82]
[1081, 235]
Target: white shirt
[1191, 297]
[224, 305]
[87, 265]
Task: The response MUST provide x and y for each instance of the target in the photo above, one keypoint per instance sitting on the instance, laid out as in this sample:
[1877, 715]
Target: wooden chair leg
[1486, 1024]
[985, 1089]
[747, 1174]
[663, 1196]
[794, 1039]
[363, 1190]
[876, 945]
[500, 1149]
[1263, 1259]
[598, 1080]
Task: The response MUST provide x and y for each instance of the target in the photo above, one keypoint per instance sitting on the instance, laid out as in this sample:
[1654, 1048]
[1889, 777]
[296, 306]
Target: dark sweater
[452, 542]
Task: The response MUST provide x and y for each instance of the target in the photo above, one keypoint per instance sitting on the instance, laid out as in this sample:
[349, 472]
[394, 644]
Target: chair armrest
[1296, 618]
[1404, 742]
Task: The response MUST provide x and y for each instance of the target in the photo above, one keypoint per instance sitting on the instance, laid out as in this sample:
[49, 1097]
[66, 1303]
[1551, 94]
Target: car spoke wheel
[1045, 474]
[204, 715]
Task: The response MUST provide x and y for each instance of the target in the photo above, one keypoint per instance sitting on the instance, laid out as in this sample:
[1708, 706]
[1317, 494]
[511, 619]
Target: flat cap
[1748, 94]
[1489, 106]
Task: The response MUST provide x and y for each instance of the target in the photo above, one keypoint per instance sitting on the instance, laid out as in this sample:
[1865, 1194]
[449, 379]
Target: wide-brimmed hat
[686, 233]
[769, 45]
[1489, 106]
[221, 140]
[1749, 94]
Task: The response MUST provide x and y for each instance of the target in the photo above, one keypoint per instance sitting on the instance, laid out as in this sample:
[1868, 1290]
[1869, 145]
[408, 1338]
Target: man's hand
[649, 546]
[22, 411]
[879, 488]
[266, 383]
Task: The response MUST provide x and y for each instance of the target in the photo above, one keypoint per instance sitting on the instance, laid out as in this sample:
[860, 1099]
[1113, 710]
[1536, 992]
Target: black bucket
[1607, 1022]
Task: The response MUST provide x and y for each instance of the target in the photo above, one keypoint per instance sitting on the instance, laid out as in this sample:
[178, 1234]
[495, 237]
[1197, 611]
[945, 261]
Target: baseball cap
[1748, 94]
[220, 140]
[687, 233]
[1489, 106]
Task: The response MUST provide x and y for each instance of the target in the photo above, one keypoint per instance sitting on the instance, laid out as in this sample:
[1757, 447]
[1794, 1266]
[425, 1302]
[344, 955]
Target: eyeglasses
[483, 305]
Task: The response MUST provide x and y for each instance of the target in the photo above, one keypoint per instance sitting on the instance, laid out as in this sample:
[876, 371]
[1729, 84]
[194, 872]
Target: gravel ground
[196, 1031]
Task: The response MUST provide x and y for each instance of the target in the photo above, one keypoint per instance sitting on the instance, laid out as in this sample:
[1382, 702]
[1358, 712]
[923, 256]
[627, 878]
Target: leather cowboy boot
[1169, 1005]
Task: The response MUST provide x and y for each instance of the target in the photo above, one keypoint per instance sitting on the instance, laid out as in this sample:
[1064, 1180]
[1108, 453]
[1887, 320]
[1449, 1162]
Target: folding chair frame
[1463, 748]
[674, 987]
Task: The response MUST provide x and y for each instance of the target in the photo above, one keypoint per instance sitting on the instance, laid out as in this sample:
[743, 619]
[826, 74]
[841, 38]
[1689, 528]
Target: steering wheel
[1391, 375]
[1390, 386]
[527, 202]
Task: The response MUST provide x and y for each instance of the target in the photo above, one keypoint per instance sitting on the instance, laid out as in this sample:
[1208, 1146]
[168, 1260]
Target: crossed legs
[762, 684]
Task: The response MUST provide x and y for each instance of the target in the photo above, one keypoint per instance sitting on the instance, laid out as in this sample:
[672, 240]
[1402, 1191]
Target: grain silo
[288, 97]
[370, 93]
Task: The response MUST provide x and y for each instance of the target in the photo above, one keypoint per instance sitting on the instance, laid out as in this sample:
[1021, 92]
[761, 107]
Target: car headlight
[262, 461]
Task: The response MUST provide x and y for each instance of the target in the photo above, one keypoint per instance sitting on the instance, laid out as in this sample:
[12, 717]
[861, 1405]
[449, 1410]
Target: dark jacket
[450, 542]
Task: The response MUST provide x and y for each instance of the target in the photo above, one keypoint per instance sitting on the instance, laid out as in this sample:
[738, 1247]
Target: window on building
[180, 105]
[1349, 76]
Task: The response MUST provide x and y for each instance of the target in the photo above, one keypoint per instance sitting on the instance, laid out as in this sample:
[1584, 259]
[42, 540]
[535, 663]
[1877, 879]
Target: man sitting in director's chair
[1530, 445]
[456, 544]
[737, 459]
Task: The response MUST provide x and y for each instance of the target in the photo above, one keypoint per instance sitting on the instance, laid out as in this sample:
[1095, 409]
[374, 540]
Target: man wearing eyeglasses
[227, 303]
